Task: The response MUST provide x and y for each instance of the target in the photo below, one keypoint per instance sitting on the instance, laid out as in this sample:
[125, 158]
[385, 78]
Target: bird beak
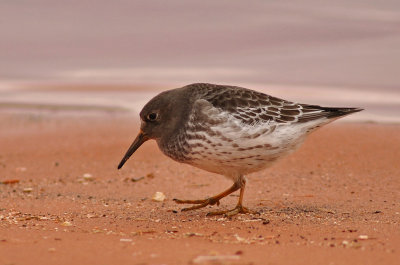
[140, 139]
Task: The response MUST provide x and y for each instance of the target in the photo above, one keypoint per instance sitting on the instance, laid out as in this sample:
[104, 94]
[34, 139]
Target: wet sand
[334, 201]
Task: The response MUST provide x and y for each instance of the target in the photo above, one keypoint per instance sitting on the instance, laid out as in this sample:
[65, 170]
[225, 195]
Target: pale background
[341, 53]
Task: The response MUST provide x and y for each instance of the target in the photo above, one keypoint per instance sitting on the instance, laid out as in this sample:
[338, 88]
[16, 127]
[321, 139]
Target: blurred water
[338, 53]
[343, 43]
[383, 107]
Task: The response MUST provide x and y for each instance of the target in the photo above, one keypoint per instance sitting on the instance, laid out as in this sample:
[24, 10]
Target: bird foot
[228, 213]
[201, 203]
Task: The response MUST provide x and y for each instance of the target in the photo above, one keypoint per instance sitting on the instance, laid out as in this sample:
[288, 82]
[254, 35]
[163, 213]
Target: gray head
[160, 117]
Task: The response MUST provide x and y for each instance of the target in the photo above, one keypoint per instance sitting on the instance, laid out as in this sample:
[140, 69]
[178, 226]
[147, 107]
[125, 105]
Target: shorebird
[228, 130]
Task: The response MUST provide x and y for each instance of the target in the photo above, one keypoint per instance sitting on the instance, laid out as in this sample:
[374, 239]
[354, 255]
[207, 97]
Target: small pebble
[66, 223]
[27, 190]
[158, 197]
[91, 215]
[150, 176]
[88, 176]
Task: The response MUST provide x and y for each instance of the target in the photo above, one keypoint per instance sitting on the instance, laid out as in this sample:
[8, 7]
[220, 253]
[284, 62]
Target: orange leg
[239, 184]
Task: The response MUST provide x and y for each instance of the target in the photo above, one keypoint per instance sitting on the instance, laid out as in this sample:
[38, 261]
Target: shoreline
[378, 107]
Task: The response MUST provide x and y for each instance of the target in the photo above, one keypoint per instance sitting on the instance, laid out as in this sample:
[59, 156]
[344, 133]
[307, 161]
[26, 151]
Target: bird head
[159, 118]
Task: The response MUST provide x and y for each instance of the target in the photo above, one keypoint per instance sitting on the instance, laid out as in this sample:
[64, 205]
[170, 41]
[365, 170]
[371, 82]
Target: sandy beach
[334, 201]
[74, 76]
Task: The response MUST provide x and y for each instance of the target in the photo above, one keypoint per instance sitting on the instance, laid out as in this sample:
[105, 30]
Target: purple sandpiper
[228, 130]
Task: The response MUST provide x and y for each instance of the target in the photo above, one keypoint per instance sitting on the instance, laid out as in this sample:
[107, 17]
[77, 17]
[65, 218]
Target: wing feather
[252, 107]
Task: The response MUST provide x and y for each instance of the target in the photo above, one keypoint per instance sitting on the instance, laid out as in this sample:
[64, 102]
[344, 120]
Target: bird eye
[152, 116]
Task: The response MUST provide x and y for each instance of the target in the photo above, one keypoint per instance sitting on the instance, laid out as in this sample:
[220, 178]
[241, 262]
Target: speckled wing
[252, 107]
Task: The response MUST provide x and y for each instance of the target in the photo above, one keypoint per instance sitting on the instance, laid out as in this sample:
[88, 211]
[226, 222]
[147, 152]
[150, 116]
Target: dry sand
[334, 201]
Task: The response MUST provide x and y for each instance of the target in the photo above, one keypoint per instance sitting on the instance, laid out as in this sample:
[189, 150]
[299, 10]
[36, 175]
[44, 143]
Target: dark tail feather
[313, 112]
[338, 112]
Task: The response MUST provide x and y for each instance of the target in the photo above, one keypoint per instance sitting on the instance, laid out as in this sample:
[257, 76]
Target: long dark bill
[140, 139]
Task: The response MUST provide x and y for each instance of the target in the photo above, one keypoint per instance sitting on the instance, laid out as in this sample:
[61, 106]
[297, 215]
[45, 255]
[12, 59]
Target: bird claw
[228, 213]
[201, 203]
